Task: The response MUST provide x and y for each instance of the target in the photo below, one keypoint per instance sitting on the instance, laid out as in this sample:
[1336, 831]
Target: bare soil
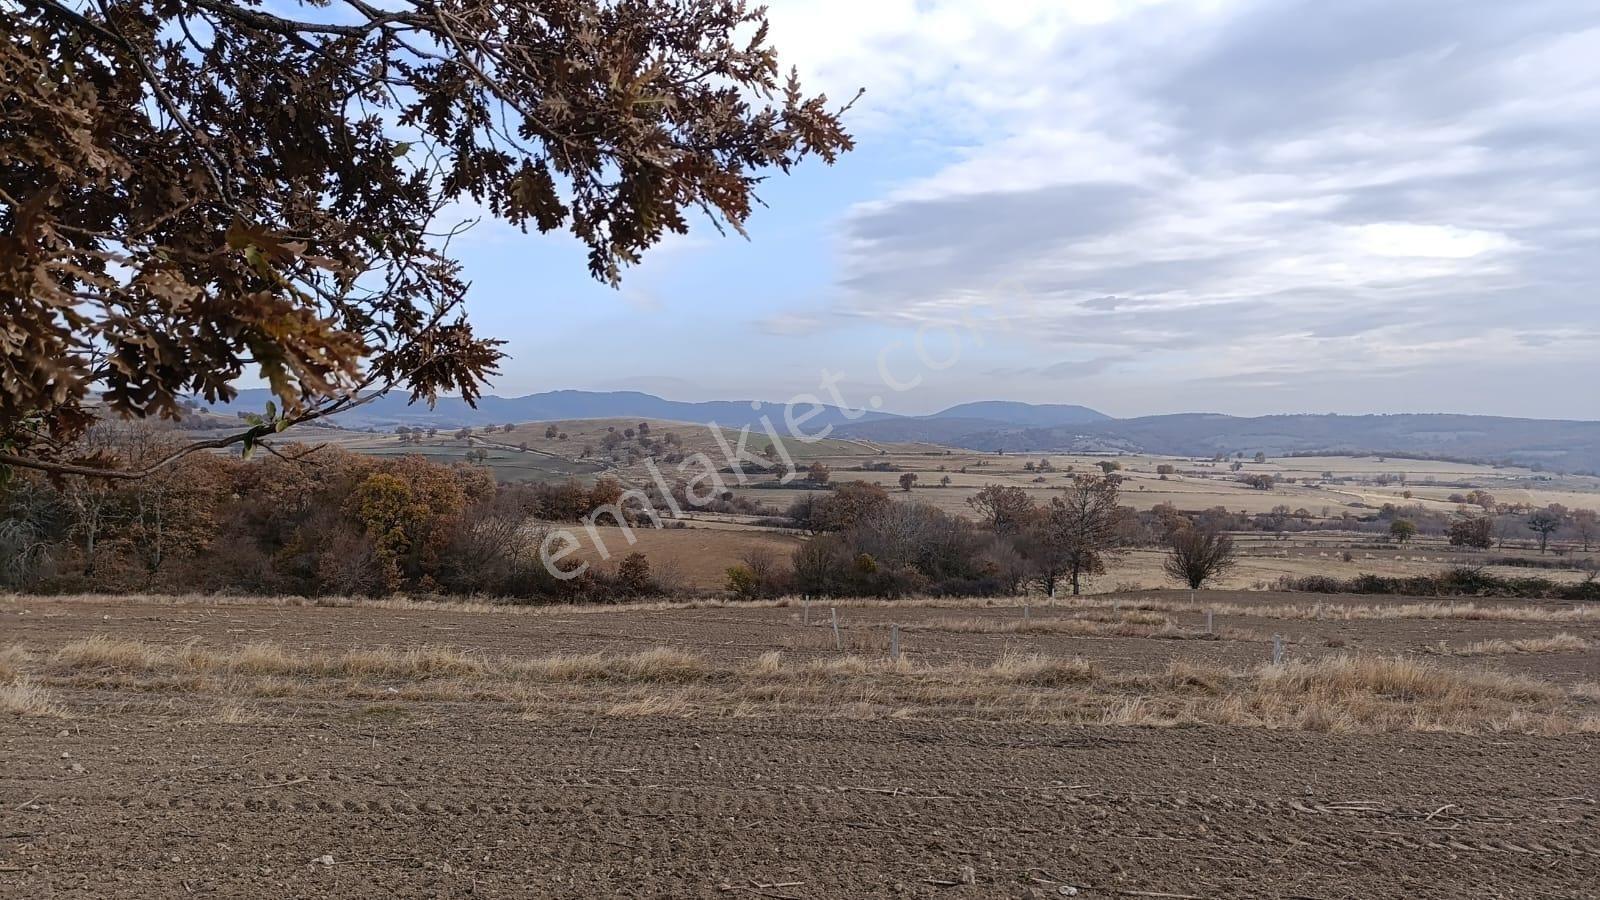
[145, 792]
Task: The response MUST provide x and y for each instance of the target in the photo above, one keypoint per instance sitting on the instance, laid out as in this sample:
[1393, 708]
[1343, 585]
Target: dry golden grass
[413, 662]
[1354, 694]
[1557, 643]
[1048, 671]
[120, 655]
[1040, 625]
[1130, 610]
[1333, 612]
[255, 659]
[1399, 678]
[100, 651]
[766, 665]
[834, 667]
[1348, 693]
[23, 697]
[12, 659]
[1134, 624]
[659, 664]
[671, 705]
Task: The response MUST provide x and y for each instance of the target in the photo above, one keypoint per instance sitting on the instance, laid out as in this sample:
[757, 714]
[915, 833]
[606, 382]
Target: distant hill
[952, 432]
[392, 410]
[1559, 445]
[1035, 415]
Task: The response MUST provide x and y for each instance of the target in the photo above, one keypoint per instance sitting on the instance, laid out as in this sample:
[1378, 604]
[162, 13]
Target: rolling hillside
[1557, 445]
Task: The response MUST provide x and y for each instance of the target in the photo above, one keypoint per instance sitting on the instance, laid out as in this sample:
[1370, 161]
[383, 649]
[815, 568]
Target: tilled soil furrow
[687, 808]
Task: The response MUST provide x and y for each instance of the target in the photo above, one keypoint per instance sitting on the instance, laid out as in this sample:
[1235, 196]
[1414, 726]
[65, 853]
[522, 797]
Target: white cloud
[1303, 184]
[1438, 241]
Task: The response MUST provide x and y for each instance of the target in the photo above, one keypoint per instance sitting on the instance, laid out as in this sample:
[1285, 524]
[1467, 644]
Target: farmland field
[1322, 492]
[167, 747]
[698, 556]
[525, 453]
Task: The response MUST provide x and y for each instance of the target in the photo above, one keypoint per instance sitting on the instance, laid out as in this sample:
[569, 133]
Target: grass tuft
[12, 659]
[1045, 671]
[101, 652]
[674, 705]
[1557, 643]
[23, 697]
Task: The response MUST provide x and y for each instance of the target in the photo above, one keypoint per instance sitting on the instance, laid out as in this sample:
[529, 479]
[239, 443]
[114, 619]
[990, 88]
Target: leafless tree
[1586, 525]
[27, 513]
[1198, 554]
[1544, 522]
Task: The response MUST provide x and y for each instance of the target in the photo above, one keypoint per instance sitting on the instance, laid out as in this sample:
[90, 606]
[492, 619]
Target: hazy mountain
[392, 410]
[922, 429]
[1021, 427]
[1036, 415]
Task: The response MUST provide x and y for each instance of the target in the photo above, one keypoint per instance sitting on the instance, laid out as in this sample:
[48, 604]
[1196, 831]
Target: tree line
[330, 522]
[865, 544]
[292, 521]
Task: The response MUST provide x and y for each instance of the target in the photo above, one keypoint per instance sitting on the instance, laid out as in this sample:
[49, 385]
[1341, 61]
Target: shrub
[633, 575]
[1459, 582]
[741, 582]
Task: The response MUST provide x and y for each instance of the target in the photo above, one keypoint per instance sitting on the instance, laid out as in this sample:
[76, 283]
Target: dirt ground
[143, 789]
[697, 557]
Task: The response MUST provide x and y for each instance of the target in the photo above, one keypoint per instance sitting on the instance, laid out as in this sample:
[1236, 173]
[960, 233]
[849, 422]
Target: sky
[1142, 206]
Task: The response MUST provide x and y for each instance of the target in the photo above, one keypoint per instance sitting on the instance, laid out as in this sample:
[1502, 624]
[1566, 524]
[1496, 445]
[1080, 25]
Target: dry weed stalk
[1347, 693]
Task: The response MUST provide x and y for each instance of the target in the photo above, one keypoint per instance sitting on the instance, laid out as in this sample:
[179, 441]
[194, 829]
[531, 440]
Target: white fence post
[838, 642]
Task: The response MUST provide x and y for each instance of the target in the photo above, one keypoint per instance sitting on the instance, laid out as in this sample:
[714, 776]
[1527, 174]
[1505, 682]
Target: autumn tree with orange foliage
[197, 191]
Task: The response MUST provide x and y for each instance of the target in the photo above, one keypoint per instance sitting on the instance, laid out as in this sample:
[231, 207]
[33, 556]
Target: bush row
[1461, 582]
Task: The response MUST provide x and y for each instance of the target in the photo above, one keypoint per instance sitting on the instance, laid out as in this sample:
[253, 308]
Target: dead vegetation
[1334, 612]
[1556, 643]
[1121, 608]
[1129, 624]
[1347, 693]
[11, 661]
[22, 697]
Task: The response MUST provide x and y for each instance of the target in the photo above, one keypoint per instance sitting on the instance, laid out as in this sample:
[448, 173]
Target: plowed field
[210, 767]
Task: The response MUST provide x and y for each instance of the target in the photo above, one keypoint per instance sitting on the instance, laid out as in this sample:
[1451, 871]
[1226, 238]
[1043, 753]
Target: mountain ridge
[999, 425]
[392, 410]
